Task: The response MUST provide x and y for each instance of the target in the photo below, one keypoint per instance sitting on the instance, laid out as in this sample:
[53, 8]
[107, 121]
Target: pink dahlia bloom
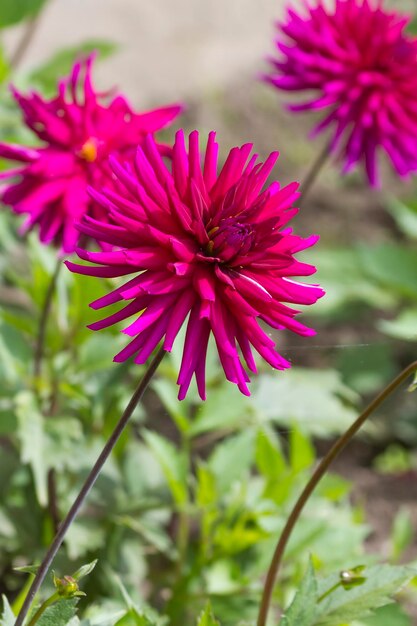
[207, 246]
[79, 128]
[362, 69]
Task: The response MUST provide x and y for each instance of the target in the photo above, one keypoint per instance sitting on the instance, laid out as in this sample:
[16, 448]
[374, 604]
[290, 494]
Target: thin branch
[88, 484]
[26, 39]
[313, 173]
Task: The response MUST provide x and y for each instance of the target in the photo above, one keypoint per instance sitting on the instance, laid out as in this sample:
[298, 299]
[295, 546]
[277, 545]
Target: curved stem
[313, 172]
[46, 309]
[318, 474]
[88, 484]
[54, 598]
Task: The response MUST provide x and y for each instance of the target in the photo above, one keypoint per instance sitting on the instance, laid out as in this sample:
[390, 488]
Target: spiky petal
[79, 128]
[360, 69]
[209, 248]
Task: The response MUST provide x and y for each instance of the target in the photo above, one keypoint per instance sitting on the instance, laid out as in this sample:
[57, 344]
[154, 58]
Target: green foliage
[46, 75]
[7, 617]
[187, 512]
[328, 601]
[58, 614]
[207, 618]
[304, 608]
[14, 11]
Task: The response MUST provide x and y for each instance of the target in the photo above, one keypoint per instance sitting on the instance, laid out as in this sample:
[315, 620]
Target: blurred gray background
[168, 49]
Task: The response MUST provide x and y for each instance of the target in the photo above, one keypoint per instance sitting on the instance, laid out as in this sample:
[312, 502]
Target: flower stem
[313, 173]
[48, 602]
[23, 45]
[88, 484]
[46, 309]
[318, 474]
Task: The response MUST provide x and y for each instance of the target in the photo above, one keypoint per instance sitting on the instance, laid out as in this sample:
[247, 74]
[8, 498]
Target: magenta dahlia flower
[202, 245]
[361, 66]
[79, 128]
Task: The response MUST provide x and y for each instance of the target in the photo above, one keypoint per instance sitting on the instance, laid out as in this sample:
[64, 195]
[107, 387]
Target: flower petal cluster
[361, 67]
[78, 128]
[205, 247]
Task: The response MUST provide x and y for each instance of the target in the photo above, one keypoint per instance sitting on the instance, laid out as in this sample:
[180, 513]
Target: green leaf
[390, 615]
[342, 606]
[303, 610]
[58, 614]
[7, 617]
[167, 391]
[225, 409]
[393, 266]
[268, 455]
[31, 435]
[302, 453]
[403, 327]
[341, 273]
[315, 400]
[59, 65]
[232, 458]
[84, 570]
[207, 618]
[14, 11]
[402, 533]
[366, 368]
[405, 216]
[27, 569]
[173, 464]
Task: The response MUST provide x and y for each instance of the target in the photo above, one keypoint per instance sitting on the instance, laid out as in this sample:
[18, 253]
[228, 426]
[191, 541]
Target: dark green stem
[318, 474]
[54, 598]
[43, 321]
[313, 173]
[88, 484]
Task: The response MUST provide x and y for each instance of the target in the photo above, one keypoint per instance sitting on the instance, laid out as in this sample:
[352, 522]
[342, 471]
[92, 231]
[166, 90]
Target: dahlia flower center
[230, 239]
[89, 150]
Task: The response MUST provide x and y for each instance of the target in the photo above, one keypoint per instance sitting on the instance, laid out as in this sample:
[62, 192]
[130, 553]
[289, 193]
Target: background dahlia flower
[362, 69]
[202, 245]
[79, 128]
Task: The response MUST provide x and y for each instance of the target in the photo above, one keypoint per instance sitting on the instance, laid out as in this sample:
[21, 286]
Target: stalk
[318, 474]
[88, 484]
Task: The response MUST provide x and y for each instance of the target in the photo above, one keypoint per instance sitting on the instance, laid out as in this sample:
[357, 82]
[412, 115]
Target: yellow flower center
[88, 150]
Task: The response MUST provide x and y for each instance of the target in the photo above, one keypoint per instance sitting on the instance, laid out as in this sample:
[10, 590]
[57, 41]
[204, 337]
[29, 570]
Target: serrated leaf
[7, 617]
[14, 11]
[303, 609]
[207, 618]
[343, 606]
[58, 614]
[172, 462]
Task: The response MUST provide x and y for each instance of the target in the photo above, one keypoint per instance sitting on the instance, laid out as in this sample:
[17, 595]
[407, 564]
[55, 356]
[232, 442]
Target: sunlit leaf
[303, 609]
[14, 11]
